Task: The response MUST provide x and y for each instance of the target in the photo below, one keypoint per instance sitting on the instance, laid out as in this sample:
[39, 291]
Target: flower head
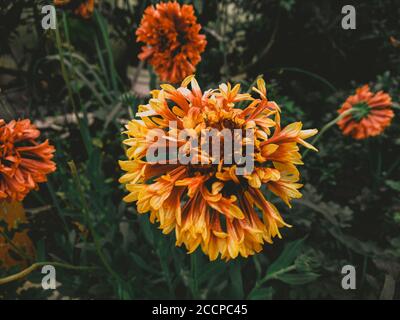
[12, 213]
[82, 8]
[207, 201]
[23, 161]
[172, 41]
[370, 113]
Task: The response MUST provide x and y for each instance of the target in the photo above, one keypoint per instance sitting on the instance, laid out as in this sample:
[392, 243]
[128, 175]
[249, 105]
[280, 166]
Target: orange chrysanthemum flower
[12, 213]
[82, 8]
[208, 204]
[369, 116]
[23, 162]
[173, 43]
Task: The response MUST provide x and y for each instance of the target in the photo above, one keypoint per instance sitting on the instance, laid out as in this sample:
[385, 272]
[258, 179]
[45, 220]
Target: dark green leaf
[297, 278]
[261, 294]
[287, 257]
[235, 275]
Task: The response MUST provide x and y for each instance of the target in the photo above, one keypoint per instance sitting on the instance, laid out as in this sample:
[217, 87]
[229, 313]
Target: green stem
[166, 274]
[328, 126]
[105, 35]
[73, 56]
[310, 74]
[222, 44]
[69, 88]
[57, 205]
[84, 79]
[272, 276]
[101, 60]
[64, 70]
[276, 274]
[93, 72]
[89, 222]
[36, 265]
[193, 274]
[393, 167]
[257, 266]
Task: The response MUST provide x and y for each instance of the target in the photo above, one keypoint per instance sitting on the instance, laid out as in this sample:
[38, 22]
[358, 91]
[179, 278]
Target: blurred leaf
[211, 270]
[146, 228]
[261, 294]
[297, 278]
[288, 256]
[235, 274]
[308, 261]
[287, 4]
[142, 263]
[40, 250]
[198, 4]
[389, 288]
[395, 185]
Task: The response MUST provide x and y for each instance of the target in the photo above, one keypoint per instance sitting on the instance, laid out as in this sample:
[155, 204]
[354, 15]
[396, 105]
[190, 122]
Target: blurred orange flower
[23, 161]
[371, 113]
[12, 213]
[209, 204]
[172, 41]
[83, 8]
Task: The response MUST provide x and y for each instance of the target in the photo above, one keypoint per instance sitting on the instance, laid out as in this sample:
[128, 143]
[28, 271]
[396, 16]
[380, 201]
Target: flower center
[361, 110]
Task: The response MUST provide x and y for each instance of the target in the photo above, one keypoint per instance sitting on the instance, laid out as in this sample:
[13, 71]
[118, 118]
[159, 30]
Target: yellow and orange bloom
[18, 250]
[82, 8]
[23, 161]
[173, 43]
[208, 204]
[371, 113]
